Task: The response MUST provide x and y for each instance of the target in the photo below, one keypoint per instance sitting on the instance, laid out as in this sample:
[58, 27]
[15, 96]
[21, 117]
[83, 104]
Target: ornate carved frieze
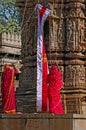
[75, 75]
[75, 23]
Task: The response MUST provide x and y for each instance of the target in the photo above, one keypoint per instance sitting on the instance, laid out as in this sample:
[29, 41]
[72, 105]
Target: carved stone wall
[75, 49]
[65, 41]
[10, 49]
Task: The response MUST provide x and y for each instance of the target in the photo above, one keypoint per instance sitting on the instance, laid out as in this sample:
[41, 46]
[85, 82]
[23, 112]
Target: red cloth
[8, 91]
[44, 77]
[55, 83]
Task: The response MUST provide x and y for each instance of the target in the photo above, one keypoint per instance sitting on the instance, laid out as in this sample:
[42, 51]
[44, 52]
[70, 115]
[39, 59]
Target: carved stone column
[65, 41]
[75, 66]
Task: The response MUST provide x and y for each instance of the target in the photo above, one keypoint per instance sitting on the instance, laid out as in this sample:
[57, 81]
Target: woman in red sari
[55, 83]
[8, 90]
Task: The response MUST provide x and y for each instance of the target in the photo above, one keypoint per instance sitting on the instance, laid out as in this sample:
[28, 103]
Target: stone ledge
[42, 121]
[42, 116]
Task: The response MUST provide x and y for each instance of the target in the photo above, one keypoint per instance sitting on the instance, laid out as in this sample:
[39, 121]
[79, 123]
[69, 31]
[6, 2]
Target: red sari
[55, 83]
[8, 91]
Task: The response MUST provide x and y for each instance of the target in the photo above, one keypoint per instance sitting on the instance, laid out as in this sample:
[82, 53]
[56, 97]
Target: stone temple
[65, 41]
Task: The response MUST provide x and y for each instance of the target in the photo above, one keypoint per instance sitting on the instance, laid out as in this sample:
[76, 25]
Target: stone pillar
[65, 41]
[26, 95]
[75, 48]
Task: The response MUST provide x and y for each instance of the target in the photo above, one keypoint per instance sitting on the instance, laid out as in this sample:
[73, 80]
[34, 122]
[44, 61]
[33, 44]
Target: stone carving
[82, 35]
[75, 74]
[63, 47]
[75, 22]
[60, 31]
[71, 26]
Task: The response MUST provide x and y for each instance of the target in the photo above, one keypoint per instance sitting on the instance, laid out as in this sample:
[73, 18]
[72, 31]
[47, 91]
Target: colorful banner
[42, 62]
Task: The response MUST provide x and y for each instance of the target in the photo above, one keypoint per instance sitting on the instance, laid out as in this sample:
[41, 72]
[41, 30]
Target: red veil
[55, 83]
[8, 92]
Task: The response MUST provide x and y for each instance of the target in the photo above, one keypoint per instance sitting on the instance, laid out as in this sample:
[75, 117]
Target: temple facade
[65, 41]
[10, 49]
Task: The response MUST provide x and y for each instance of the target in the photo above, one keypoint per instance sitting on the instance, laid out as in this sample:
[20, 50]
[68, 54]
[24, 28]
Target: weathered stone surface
[42, 121]
[65, 42]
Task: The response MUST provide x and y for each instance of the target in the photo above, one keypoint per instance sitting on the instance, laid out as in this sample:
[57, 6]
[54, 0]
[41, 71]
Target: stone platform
[42, 121]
